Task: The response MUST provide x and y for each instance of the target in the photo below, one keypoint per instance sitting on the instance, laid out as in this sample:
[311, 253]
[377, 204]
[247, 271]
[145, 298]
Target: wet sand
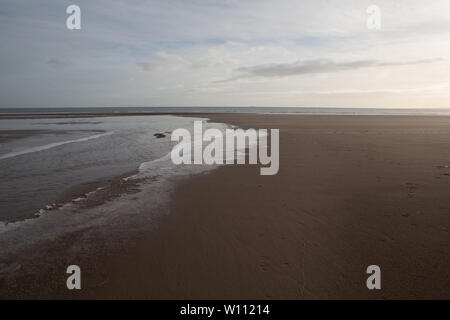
[352, 191]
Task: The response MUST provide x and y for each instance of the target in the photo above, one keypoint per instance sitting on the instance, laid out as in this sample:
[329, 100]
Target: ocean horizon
[255, 110]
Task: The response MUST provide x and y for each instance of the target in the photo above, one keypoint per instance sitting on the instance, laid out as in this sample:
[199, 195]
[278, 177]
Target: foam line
[52, 145]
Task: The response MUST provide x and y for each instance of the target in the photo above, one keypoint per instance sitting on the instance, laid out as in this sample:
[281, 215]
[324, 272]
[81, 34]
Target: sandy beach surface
[352, 191]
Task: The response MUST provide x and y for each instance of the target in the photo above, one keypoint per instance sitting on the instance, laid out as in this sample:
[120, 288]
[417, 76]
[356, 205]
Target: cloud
[146, 66]
[166, 61]
[59, 62]
[437, 87]
[317, 66]
[131, 48]
[421, 61]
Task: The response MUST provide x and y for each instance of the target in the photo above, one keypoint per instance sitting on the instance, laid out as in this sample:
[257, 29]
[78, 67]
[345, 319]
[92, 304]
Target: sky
[317, 53]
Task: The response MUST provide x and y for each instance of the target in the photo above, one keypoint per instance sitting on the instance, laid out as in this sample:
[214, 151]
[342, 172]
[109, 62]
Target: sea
[61, 153]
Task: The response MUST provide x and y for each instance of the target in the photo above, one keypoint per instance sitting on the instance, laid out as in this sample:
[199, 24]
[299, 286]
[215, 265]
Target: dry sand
[352, 191]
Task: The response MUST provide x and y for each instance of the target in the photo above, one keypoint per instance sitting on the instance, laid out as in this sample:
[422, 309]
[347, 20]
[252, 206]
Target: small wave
[52, 145]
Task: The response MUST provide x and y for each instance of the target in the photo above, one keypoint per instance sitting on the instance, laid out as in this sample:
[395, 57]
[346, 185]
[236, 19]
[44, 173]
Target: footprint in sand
[264, 265]
[444, 168]
[412, 187]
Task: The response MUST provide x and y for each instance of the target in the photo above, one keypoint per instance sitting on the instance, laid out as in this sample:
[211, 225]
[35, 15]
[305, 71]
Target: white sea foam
[52, 145]
[164, 164]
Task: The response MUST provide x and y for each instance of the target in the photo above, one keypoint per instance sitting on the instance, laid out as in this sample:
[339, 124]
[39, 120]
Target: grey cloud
[59, 62]
[421, 61]
[146, 66]
[168, 62]
[317, 66]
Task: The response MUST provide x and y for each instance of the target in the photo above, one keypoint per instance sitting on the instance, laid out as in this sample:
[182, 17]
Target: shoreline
[348, 194]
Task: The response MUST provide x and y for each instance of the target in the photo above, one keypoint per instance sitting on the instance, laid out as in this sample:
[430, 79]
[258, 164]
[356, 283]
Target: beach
[351, 191]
